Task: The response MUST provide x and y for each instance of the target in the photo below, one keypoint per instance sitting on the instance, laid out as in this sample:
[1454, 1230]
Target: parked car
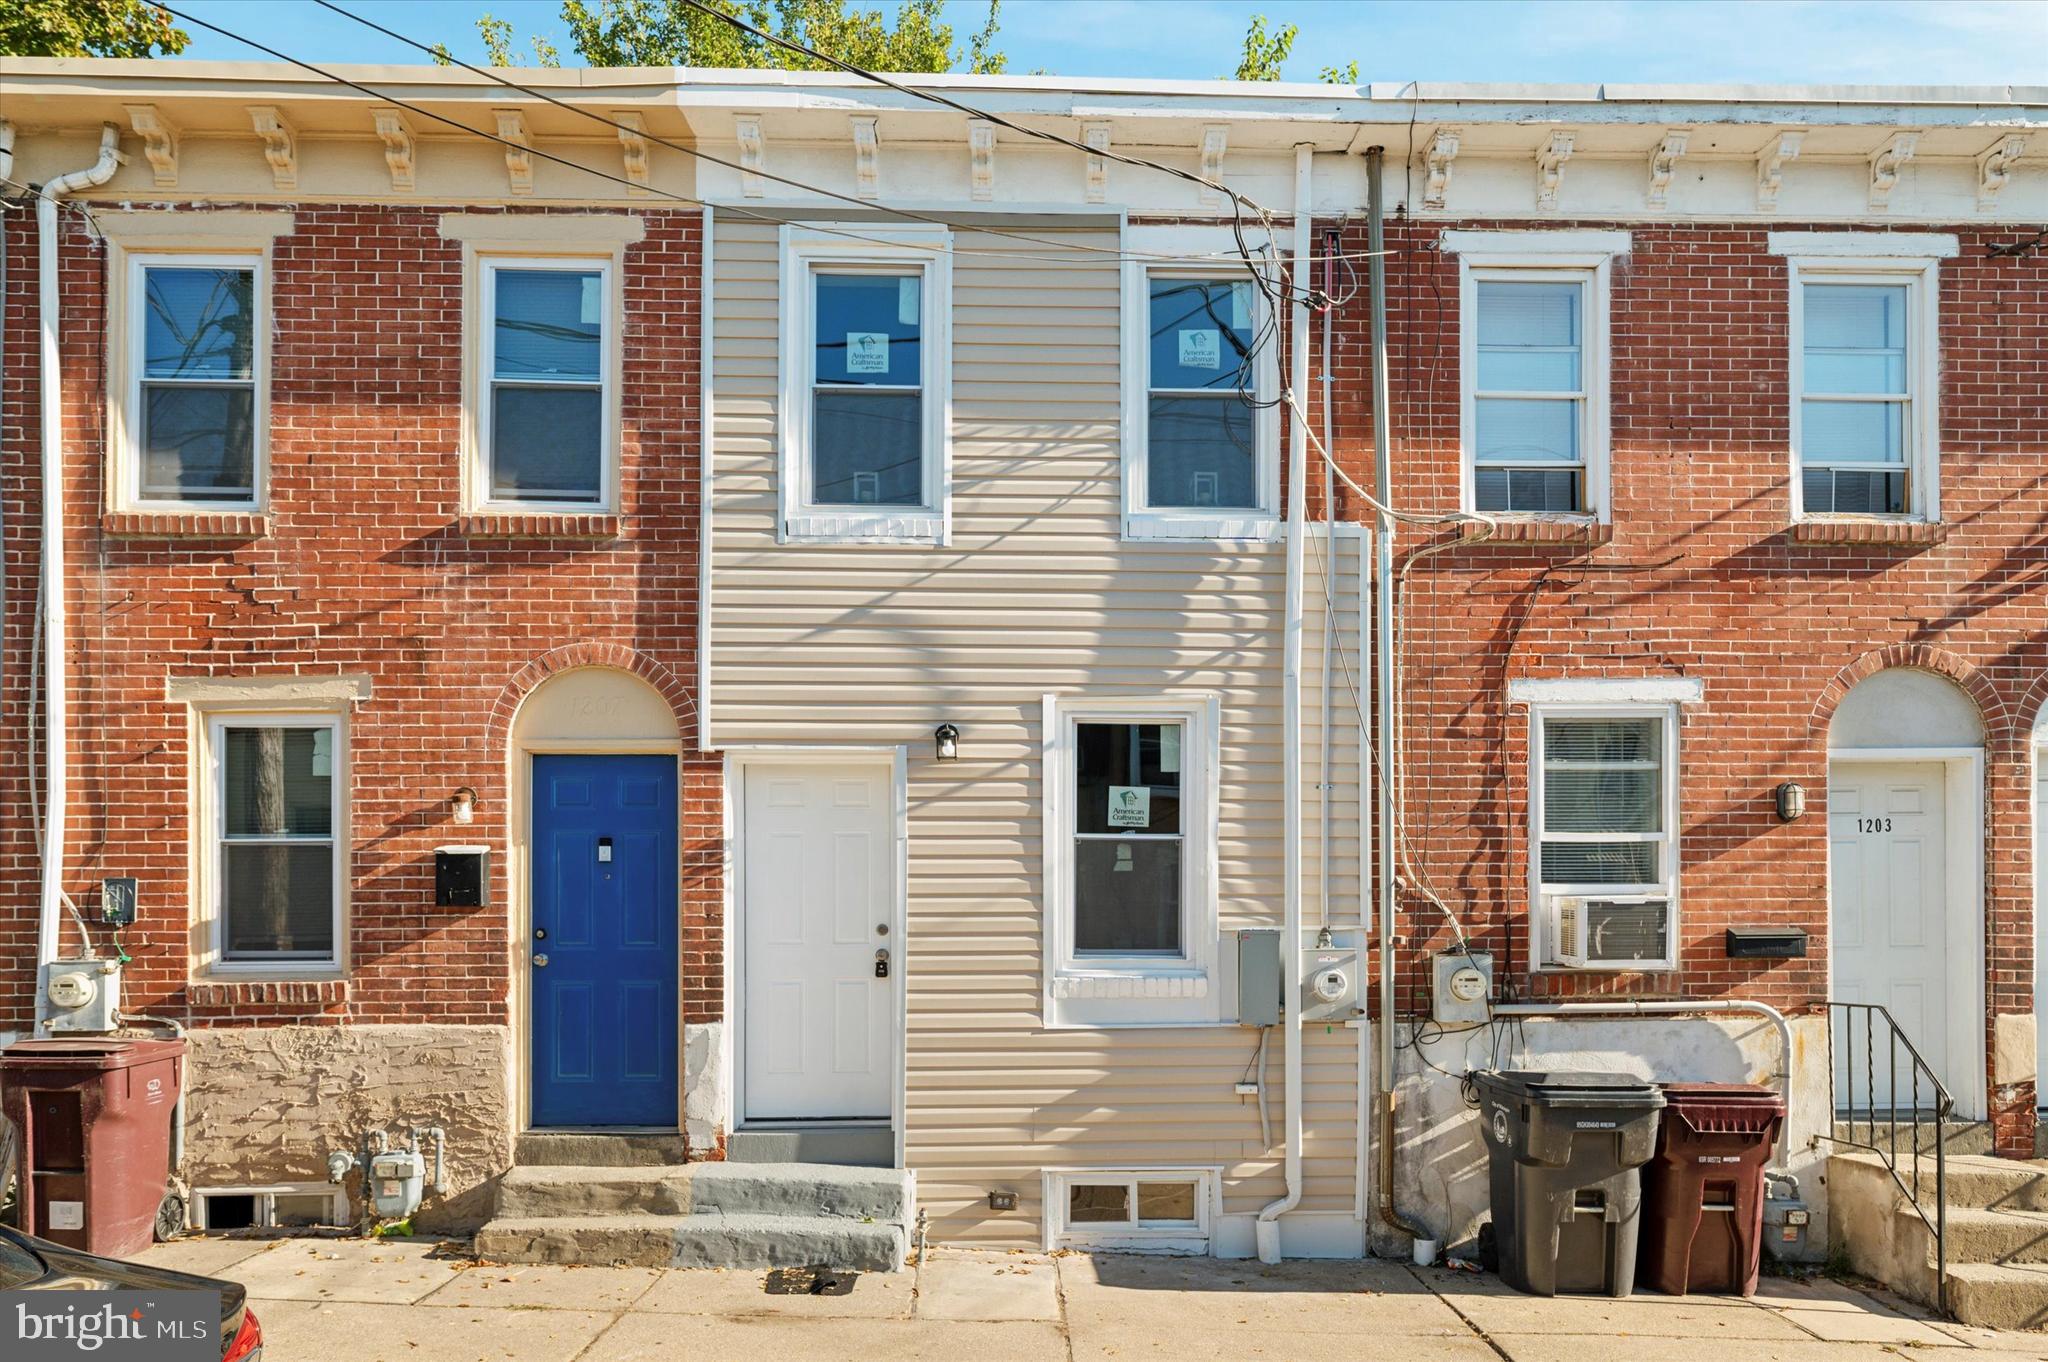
[31, 1264]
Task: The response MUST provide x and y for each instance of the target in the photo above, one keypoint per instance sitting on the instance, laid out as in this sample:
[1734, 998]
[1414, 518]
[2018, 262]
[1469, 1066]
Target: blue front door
[604, 941]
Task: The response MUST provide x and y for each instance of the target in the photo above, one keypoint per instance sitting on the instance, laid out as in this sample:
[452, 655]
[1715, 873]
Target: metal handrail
[1918, 1068]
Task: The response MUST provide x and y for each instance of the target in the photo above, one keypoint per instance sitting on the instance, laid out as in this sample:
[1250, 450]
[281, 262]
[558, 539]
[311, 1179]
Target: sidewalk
[419, 1302]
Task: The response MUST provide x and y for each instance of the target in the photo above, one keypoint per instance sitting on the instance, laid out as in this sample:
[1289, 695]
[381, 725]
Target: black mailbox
[1766, 943]
[459, 876]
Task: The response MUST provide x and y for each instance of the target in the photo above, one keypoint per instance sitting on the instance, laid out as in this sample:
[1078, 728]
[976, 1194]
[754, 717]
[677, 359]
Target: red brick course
[363, 565]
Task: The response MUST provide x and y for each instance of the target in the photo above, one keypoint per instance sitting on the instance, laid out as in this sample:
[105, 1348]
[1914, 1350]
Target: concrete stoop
[1997, 1234]
[754, 1215]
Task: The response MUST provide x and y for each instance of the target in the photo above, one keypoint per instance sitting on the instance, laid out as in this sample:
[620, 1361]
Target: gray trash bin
[1565, 1152]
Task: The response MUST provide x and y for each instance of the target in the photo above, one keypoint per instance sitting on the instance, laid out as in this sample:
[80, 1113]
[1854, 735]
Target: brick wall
[1701, 579]
[364, 570]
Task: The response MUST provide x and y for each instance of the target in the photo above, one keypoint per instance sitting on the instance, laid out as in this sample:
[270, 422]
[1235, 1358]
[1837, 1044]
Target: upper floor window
[1533, 341]
[1864, 422]
[545, 433]
[866, 385]
[1201, 384]
[195, 406]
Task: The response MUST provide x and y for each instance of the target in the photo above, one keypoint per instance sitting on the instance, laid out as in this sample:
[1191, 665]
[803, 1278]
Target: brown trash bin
[94, 1121]
[1703, 1190]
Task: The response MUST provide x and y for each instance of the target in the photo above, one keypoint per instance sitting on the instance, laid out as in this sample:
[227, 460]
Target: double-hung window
[1533, 360]
[545, 432]
[195, 412]
[1201, 385]
[1604, 807]
[1529, 397]
[1864, 413]
[865, 385]
[278, 840]
[1131, 841]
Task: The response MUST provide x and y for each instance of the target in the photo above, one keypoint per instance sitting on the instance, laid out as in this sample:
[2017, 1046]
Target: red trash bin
[94, 1118]
[1703, 1190]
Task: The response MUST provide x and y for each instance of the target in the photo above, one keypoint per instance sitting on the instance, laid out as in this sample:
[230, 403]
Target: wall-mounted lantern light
[462, 805]
[947, 739]
[1791, 802]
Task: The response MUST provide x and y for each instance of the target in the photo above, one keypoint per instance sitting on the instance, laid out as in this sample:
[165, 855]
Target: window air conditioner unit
[1620, 932]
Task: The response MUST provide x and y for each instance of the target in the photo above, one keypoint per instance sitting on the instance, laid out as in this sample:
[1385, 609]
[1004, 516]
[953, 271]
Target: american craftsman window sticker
[1130, 806]
[867, 352]
[1201, 349]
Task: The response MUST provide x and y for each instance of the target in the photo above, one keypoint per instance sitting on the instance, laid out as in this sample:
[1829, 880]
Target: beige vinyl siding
[876, 644]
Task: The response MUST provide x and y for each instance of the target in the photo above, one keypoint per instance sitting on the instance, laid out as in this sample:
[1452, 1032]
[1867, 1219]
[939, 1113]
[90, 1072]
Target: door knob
[540, 962]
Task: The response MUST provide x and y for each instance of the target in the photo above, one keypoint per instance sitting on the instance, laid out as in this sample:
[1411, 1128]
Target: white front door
[817, 1027]
[1888, 926]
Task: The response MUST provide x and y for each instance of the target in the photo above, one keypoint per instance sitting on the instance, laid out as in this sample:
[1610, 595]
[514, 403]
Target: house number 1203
[1873, 825]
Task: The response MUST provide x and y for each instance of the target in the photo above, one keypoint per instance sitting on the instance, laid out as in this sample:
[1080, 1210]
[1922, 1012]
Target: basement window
[283, 1206]
[1165, 1210]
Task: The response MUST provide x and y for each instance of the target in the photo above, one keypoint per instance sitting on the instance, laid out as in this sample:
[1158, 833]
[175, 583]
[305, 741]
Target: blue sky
[1804, 41]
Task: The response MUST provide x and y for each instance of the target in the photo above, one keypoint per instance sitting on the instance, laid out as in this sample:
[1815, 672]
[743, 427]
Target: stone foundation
[269, 1104]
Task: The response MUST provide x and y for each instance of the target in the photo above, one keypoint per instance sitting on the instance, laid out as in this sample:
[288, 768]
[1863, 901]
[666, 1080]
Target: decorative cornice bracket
[1886, 163]
[1096, 135]
[1770, 168]
[1664, 164]
[159, 142]
[280, 144]
[519, 155]
[1994, 169]
[1550, 159]
[399, 149]
[633, 147]
[1215, 142]
[1443, 149]
[753, 154]
[867, 157]
[981, 148]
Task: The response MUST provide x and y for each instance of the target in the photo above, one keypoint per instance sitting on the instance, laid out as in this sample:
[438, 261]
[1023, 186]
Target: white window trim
[803, 249]
[1260, 524]
[127, 488]
[1585, 257]
[480, 471]
[1666, 887]
[1196, 1238]
[1145, 990]
[210, 820]
[1842, 258]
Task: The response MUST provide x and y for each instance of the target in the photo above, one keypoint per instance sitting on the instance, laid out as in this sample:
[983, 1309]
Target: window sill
[1513, 529]
[830, 527]
[1175, 983]
[228, 990]
[186, 524]
[1249, 528]
[537, 525]
[1867, 530]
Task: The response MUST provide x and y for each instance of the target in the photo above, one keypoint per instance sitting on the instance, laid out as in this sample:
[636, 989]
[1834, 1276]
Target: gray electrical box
[1258, 976]
[1464, 987]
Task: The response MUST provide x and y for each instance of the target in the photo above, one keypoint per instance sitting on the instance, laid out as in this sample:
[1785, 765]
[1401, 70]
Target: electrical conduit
[55, 713]
[1267, 1231]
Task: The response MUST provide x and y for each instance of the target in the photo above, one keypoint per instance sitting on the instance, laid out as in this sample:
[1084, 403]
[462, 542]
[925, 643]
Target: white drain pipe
[1267, 1229]
[51, 400]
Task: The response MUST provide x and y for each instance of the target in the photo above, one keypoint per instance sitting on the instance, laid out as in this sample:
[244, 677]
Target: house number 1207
[1873, 825]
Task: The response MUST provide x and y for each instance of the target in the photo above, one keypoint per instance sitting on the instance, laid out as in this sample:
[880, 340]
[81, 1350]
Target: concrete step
[1983, 1181]
[526, 1193]
[860, 1144]
[1979, 1236]
[599, 1149]
[1999, 1296]
[1900, 1134]
[743, 1241]
[801, 1189]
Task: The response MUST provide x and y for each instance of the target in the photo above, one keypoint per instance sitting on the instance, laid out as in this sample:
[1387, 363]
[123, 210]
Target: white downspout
[1268, 1228]
[50, 398]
